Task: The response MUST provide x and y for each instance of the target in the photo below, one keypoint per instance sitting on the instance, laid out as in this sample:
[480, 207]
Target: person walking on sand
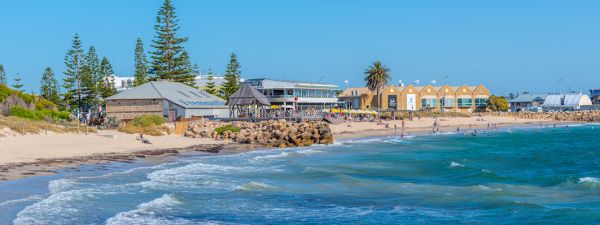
[395, 128]
[403, 124]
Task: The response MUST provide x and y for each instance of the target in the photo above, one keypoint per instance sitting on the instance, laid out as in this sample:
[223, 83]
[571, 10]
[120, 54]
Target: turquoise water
[529, 175]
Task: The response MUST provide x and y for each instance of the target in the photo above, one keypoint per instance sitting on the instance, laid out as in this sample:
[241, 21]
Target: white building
[301, 95]
[566, 102]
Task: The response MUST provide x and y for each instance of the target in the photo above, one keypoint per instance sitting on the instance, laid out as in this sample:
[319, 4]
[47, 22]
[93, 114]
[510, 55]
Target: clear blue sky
[507, 45]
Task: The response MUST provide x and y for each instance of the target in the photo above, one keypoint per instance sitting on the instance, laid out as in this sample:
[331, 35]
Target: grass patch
[220, 130]
[41, 114]
[148, 120]
[24, 125]
[146, 124]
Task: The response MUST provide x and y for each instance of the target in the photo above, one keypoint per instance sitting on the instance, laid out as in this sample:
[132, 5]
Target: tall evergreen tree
[72, 82]
[232, 76]
[141, 64]
[210, 84]
[17, 85]
[188, 76]
[49, 86]
[90, 79]
[168, 62]
[107, 87]
[3, 79]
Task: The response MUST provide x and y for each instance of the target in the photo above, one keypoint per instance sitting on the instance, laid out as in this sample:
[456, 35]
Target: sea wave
[254, 185]
[31, 198]
[150, 213]
[455, 164]
[591, 180]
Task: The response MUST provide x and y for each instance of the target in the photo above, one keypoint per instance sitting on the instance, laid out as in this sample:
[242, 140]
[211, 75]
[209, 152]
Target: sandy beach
[425, 124]
[30, 155]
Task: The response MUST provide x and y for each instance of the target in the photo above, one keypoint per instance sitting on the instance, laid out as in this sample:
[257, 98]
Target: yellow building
[434, 98]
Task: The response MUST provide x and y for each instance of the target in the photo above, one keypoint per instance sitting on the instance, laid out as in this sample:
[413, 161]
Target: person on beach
[395, 129]
[457, 129]
[403, 124]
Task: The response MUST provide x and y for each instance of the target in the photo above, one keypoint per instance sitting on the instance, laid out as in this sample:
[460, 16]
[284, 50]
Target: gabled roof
[247, 95]
[177, 93]
[529, 98]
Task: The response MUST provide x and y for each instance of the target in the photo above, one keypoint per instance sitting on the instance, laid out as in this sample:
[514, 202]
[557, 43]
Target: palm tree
[377, 77]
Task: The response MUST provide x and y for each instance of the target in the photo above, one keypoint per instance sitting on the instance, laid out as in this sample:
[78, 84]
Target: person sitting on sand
[144, 140]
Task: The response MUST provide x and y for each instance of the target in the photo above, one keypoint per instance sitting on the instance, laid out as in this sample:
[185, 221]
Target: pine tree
[232, 76]
[17, 85]
[210, 85]
[49, 86]
[107, 87]
[3, 79]
[71, 82]
[168, 62]
[91, 80]
[187, 77]
[141, 64]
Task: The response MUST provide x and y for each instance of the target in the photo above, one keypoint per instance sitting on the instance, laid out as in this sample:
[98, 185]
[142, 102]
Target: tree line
[88, 79]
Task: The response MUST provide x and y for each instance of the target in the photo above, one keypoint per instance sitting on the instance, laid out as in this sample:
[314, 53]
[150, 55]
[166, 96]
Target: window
[465, 102]
[447, 102]
[481, 102]
[428, 102]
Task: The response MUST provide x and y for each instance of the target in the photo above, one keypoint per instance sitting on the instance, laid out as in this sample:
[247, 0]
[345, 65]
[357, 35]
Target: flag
[433, 81]
[416, 81]
[345, 81]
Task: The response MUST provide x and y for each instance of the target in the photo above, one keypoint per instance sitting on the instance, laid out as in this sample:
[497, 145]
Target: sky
[507, 45]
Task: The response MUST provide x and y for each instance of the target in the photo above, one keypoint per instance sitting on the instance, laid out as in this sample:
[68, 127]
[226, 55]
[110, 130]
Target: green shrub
[44, 104]
[148, 120]
[229, 127]
[5, 92]
[43, 114]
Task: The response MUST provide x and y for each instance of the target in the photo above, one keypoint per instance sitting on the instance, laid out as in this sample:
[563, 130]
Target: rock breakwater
[274, 133]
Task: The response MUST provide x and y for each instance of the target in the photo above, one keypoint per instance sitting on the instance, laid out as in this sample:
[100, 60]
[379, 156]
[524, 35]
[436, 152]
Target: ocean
[511, 176]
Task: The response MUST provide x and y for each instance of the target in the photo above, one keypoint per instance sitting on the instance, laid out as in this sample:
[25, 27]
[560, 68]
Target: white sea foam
[148, 213]
[254, 185]
[591, 180]
[309, 151]
[455, 164]
[271, 157]
[22, 200]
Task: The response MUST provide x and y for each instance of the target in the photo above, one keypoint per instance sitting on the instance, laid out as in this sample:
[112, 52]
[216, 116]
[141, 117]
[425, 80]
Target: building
[595, 96]
[298, 95]
[527, 102]
[435, 98]
[122, 83]
[566, 102]
[169, 99]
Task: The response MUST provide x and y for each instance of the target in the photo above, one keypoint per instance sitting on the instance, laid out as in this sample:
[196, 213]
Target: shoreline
[49, 166]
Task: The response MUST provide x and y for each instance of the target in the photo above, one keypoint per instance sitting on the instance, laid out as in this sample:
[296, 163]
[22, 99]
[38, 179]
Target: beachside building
[121, 82]
[595, 96]
[171, 100]
[566, 102]
[298, 95]
[527, 102]
[411, 98]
